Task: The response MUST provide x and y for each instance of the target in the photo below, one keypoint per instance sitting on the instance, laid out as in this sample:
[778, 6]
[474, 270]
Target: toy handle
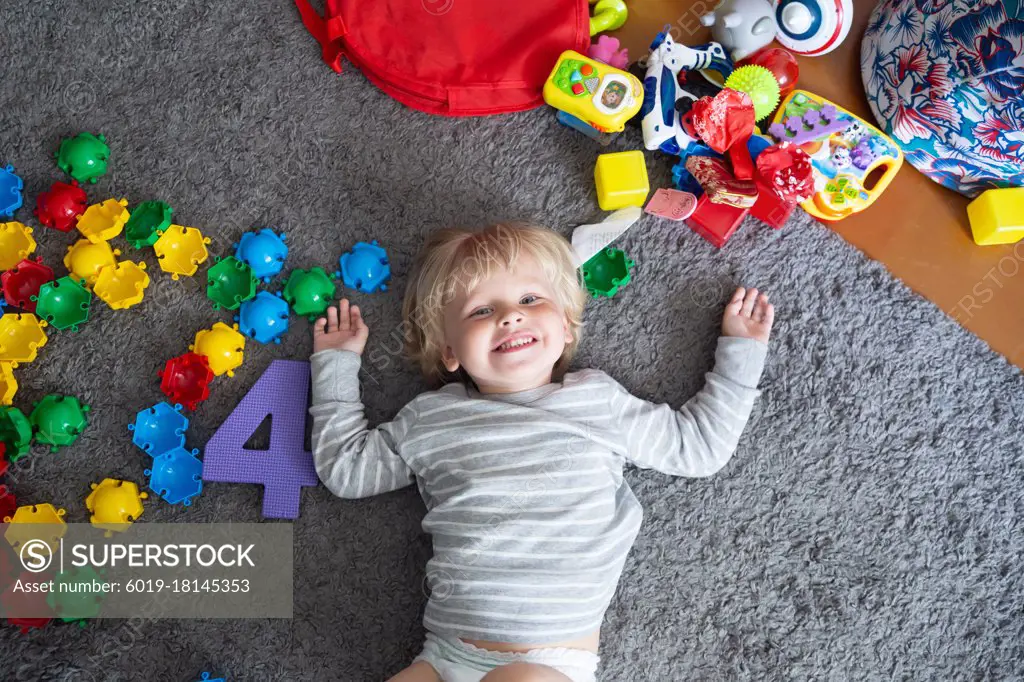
[608, 16]
[883, 180]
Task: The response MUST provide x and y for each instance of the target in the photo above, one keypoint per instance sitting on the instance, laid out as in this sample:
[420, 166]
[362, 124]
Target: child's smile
[516, 342]
[508, 331]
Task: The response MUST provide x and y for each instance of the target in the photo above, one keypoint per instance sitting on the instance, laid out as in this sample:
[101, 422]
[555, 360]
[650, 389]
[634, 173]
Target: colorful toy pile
[814, 153]
[817, 154]
[57, 421]
[63, 303]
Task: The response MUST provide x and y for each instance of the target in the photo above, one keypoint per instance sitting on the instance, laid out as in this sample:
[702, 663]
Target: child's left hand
[748, 316]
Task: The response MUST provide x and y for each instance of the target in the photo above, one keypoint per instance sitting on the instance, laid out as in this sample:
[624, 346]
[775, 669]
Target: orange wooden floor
[917, 229]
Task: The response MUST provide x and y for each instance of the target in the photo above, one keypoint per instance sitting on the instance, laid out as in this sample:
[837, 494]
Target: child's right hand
[342, 329]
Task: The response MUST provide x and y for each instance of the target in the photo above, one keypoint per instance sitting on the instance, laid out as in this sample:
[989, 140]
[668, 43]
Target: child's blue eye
[480, 310]
[526, 302]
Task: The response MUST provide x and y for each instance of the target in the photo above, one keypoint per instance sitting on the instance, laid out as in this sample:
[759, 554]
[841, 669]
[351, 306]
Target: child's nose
[512, 316]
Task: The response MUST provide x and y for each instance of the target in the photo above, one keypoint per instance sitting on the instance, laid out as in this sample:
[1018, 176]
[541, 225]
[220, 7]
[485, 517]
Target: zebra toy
[659, 119]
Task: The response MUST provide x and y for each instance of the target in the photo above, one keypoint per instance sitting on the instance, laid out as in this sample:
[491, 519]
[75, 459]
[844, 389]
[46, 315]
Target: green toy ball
[58, 420]
[84, 156]
[760, 84]
[309, 292]
[606, 272]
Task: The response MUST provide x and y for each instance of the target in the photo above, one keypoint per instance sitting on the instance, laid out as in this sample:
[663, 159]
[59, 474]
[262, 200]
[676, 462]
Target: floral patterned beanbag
[945, 79]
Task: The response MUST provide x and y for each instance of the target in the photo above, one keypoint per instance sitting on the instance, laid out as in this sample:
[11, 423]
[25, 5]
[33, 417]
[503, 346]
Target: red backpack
[452, 57]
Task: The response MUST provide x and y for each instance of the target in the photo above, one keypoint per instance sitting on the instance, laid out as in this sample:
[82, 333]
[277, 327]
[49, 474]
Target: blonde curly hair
[454, 261]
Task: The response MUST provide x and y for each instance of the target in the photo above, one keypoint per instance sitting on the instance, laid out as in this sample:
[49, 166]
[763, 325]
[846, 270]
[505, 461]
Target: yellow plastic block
[85, 259]
[16, 243]
[104, 221]
[181, 250]
[21, 336]
[621, 180]
[114, 504]
[36, 522]
[8, 384]
[997, 216]
[123, 285]
[222, 345]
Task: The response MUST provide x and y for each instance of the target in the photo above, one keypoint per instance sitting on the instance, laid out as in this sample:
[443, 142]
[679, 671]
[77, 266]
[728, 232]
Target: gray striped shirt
[530, 516]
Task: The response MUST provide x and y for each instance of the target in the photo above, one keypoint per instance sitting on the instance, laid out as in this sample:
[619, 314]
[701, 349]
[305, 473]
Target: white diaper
[457, 661]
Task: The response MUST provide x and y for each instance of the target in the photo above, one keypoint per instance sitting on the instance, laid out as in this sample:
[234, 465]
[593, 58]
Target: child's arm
[352, 460]
[700, 437]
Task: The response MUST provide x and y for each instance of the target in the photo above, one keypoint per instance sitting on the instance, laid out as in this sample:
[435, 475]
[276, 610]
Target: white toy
[742, 26]
[659, 119]
[813, 27]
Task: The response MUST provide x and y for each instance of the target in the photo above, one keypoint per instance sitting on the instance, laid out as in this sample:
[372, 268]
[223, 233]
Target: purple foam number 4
[286, 466]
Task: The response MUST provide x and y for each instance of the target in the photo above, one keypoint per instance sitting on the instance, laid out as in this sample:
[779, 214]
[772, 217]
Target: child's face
[517, 306]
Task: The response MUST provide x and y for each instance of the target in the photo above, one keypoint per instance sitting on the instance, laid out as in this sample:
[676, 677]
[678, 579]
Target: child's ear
[568, 331]
[451, 363]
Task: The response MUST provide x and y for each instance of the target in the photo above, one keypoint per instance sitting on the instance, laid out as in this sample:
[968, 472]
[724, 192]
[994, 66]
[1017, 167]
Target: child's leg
[525, 672]
[420, 671]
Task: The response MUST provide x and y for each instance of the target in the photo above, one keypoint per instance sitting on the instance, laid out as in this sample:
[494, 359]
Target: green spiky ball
[760, 84]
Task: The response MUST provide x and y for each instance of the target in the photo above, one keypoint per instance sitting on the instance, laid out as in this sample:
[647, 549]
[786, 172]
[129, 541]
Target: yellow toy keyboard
[853, 161]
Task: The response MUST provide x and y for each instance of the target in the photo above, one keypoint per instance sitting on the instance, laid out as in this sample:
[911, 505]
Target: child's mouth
[516, 344]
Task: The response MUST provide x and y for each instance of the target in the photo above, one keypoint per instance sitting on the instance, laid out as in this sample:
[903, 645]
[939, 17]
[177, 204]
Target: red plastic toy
[27, 602]
[770, 208]
[718, 183]
[22, 283]
[60, 207]
[26, 624]
[3, 489]
[186, 379]
[784, 179]
[716, 222]
[725, 122]
[781, 63]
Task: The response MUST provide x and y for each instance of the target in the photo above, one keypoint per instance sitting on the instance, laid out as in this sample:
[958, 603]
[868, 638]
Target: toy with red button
[601, 95]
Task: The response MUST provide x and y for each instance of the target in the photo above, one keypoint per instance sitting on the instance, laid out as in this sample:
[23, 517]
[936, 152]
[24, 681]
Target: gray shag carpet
[869, 526]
